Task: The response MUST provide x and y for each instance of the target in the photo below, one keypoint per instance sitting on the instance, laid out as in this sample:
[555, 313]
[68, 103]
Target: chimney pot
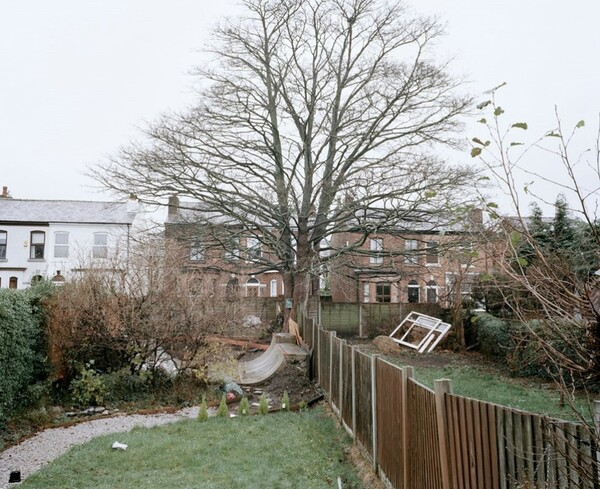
[173, 205]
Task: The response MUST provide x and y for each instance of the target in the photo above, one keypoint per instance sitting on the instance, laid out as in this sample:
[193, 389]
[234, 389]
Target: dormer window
[38, 243]
[376, 245]
[197, 250]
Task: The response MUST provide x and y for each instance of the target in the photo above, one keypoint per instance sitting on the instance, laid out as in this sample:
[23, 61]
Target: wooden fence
[419, 438]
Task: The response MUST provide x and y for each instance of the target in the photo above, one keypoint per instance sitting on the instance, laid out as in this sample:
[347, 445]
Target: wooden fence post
[407, 373]
[332, 334]
[318, 332]
[360, 321]
[341, 380]
[597, 424]
[353, 383]
[374, 407]
[441, 388]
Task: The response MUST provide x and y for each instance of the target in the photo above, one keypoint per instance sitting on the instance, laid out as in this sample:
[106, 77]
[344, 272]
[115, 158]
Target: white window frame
[273, 288]
[100, 250]
[197, 250]
[411, 247]
[413, 285]
[429, 246]
[3, 244]
[434, 288]
[61, 250]
[376, 247]
[253, 248]
[34, 246]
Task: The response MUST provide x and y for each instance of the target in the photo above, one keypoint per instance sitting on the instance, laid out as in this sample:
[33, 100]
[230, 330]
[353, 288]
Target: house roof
[64, 211]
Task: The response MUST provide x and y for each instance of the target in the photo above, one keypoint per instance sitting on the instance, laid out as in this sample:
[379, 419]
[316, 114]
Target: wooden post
[332, 334]
[441, 388]
[360, 321]
[597, 424]
[318, 332]
[374, 407]
[341, 380]
[353, 383]
[407, 373]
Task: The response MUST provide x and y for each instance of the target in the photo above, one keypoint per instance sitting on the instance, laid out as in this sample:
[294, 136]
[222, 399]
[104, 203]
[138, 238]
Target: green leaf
[429, 194]
[552, 134]
[520, 125]
[498, 111]
[483, 120]
[515, 238]
[478, 141]
[483, 105]
[516, 144]
[522, 261]
[483, 179]
[581, 123]
[492, 205]
[475, 152]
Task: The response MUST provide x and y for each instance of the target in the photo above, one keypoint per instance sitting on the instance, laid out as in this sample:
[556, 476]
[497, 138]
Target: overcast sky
[78, 78]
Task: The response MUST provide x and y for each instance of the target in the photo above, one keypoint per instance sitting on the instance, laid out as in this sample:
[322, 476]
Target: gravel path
[35, 452]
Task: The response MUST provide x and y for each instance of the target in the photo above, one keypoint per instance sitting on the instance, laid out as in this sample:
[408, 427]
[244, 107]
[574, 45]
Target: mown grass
[491, 385]
[285, 450]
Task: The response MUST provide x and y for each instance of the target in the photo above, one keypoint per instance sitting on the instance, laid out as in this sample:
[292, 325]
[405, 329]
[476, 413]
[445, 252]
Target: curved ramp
[262, 367]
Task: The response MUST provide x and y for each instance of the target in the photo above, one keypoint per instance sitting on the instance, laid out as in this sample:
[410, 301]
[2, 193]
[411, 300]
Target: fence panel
[389, 422]
[364, 402]
[422, 437]
[343, 318]
[335, 356]
[324, 361]
[347, 384]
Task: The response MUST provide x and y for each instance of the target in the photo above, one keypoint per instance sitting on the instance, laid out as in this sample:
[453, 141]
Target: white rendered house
[59, 238]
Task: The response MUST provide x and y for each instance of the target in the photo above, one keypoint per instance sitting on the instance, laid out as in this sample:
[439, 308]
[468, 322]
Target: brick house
[219, 253]
[433, 264]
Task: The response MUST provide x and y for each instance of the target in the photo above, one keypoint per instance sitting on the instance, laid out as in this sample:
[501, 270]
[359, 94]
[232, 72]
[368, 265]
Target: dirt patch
[386, 345]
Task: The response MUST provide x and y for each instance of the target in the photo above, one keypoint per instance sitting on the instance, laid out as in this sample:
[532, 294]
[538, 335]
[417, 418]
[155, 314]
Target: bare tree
[313, 114]
[547, 266]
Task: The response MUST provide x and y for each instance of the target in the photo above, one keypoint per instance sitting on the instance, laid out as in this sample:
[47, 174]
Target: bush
[223, 411]
[203, 411]
[285, 401]
[263, 405]
[89, 388]
[244, 408]
[491, 335]
[22, 347]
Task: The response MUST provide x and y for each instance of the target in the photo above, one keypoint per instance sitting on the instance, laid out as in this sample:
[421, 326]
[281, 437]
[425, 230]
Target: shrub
[491, 335]
[223, 411]
[22, 347]
[203, 411]
[263, 404]
[285, 401]
[88, 388]
[244, 408]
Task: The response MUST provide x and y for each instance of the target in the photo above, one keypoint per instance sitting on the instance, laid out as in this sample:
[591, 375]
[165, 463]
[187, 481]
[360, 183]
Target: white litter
[119, 446]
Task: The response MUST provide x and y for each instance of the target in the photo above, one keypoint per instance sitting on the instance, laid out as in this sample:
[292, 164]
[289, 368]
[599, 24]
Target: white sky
[77, 78]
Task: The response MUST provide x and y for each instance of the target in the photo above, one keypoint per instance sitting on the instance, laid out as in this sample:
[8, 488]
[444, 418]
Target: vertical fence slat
[501, 439]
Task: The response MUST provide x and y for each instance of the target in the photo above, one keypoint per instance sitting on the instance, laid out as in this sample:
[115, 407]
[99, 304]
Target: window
[376, 249]
[232, 252]
[12, 282]
[413, 292]
[273, 288]
[253, 248]
[100, 249]
[383, 292]
[3, 241]
[466, 253]
[411, 247]
[253, 287]
[232, 289]
[38, 242]
[432, 253]
[195, 286]
[197, 250]
[366, 292]
[432, 292]
[61, 245]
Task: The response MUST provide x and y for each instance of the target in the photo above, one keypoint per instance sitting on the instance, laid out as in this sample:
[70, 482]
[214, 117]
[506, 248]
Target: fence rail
[418, 438]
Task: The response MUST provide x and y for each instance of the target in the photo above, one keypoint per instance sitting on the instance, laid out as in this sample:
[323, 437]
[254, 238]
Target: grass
[285, 450]
[493, 385]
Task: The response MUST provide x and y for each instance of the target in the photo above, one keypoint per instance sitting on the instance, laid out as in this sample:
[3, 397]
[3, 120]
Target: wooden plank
[457, 476]
[539, 459]
[561, 455]
[587, 465]
[501, 437]
[520, 475]
[471, 455]
[510, 447]
[464, 446]
[550, 439]
[443, 387]
[528, 448]
[477, 443]
[486, 467]
[495, 473]
[572, 455]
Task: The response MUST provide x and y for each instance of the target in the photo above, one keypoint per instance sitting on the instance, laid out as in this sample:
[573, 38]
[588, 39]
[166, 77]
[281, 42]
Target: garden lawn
[285, 450]
[486, 384]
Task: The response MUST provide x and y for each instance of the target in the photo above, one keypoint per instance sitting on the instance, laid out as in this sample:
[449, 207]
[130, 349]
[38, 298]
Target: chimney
[173, 205]
[5, 194]
[476, 217]
[133, 204]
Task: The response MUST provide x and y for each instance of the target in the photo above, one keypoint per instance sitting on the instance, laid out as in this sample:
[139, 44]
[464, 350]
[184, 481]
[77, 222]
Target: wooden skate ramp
[263, 367]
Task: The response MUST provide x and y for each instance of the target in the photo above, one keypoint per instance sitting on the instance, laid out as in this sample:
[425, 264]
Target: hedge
[22, 346]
